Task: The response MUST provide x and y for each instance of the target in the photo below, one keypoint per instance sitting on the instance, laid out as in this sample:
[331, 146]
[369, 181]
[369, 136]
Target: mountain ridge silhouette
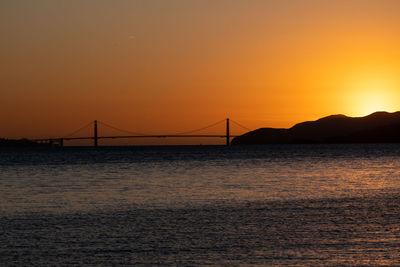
[378, 127]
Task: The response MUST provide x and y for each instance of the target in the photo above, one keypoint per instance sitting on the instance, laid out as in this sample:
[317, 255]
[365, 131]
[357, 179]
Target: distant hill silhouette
[378, 127]
[19, 143]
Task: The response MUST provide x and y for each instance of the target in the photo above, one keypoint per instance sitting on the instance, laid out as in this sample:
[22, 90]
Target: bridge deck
[138, 136]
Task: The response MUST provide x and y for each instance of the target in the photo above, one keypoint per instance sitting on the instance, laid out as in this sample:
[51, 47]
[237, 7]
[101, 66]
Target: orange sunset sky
[160, 66]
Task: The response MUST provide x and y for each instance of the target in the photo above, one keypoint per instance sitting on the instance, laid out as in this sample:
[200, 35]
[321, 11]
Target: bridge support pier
[95, 134]
[227, 132]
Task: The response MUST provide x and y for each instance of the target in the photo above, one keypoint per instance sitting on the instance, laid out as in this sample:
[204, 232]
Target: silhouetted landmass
[379, 127]
[19, 143]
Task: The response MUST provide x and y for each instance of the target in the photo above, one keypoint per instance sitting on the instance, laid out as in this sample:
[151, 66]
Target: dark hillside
[379, 127]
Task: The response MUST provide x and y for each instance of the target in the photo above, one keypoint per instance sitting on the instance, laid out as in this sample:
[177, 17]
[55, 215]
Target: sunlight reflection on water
[123, 178]
[295, 204]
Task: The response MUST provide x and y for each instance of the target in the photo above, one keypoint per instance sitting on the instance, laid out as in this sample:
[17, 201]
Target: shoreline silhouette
[20, 143]
[378, 127]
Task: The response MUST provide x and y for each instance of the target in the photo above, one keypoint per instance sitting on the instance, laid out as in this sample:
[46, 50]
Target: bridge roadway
[96, 137]
[135, 136]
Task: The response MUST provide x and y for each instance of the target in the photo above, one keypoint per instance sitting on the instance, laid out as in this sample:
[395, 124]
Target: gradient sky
[170, 66]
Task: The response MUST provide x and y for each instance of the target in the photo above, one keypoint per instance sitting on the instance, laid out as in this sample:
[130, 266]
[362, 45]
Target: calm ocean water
[202, 205]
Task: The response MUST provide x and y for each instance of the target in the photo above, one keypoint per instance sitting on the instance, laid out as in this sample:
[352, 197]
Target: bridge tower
[227, 132]
[95, 134]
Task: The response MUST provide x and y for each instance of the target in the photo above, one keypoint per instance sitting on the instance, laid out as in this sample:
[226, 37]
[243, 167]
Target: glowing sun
[373, 101]
[373, 95]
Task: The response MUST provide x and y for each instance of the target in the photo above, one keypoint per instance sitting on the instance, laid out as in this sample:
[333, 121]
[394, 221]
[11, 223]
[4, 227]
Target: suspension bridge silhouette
[59, 141]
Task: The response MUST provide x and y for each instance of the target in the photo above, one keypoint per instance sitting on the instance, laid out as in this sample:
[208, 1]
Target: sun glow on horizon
[369, 95]
[166, 66]
[372, 102]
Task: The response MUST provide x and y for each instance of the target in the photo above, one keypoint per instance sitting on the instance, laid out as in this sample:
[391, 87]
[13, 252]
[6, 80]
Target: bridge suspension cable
[118, 129]
[80, 129]
[200, 129]
[238, 124]
[140, 135]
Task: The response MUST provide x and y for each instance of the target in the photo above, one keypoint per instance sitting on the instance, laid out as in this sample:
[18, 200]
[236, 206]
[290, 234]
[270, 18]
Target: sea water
[268, 205]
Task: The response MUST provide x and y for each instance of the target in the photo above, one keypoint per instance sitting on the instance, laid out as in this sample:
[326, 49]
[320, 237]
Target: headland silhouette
[378, 127]
[20, 143]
